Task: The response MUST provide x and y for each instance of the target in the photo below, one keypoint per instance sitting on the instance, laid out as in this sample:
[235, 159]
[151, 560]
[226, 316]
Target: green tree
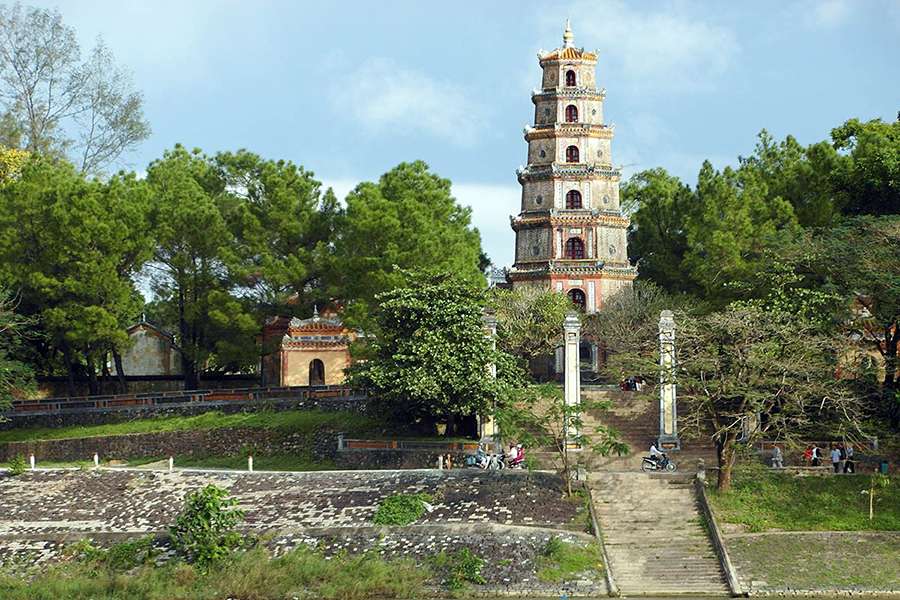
[872, 183]
[190, 275]
[15, 376]
[54, 102]
[731, 223]
[538, 417]
[408, 220]
[657, 240]
[529, 320]
[205, 529]
[858, 263]
[283, 226]
[807, 177]
[71, 247]
[743, 374]
[431, 358]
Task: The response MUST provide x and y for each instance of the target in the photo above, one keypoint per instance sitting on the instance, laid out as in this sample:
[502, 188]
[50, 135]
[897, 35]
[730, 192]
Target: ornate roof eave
[566, 55]
[563, 219]
[556, 170]
[540, 132]
[568, 92]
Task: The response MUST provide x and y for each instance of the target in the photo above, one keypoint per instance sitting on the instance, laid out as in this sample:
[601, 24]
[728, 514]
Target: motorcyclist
[657, 455]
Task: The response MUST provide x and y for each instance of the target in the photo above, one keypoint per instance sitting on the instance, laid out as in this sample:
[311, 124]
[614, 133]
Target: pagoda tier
[570, 232]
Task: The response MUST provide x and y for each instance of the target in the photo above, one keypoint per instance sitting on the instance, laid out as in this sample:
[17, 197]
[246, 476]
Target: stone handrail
[716, 537]
[611, 587]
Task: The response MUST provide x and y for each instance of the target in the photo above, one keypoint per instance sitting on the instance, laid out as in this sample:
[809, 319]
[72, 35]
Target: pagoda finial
[315, 311]
[568, 38]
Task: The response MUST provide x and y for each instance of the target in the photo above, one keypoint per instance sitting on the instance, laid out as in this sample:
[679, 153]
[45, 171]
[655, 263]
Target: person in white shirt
[656, 454]
[777, 458]
[836, 459]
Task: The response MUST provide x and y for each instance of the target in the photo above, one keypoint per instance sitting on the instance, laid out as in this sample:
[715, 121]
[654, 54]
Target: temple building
[571, 234]
[313, 351]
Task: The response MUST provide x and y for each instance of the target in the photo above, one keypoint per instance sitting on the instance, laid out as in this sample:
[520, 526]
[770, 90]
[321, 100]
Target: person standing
[807, 455]
[777, 458]
[836, 459]
[849, 466]
[815, 455]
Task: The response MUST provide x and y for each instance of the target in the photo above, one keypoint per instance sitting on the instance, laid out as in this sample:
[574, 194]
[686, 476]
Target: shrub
[401, 509]
[119, 557]
[17, 465]
[460, 568]
[560, 560]
[204, 531]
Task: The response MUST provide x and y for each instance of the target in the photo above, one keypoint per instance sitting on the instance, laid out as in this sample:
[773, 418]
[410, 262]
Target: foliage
[560, 560]
[71, 247]
[872, 182]
[15, 375]
[17, 465]
[11, 162]
[406, 221]
[254, 574]
[460, 568]
[529, 320]
[539, 417]
[763, 500]
[204, 530]
[431, 356]
[401, 509]
[282, 225]
[54, 103]
[123, 556]
[657, 239]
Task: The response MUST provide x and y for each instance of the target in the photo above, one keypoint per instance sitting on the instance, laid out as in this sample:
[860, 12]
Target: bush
[204, 531]
[17, 465]
[401, 509]
[460, 568]
[119, 557]
[560, 561]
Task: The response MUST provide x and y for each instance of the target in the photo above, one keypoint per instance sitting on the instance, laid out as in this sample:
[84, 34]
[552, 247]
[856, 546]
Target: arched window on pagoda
[572, 154]
[574, 248]
[570, 78]
[573, 199]
[571, 114]
[577, 298]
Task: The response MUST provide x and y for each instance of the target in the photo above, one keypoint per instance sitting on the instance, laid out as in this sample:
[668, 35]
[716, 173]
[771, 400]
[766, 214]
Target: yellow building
[313, 351]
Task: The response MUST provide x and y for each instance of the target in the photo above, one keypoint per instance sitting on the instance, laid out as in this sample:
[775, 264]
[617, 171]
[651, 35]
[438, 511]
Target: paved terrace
[491, 513]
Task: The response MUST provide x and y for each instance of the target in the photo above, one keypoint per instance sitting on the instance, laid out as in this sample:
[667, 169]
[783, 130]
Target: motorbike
[662, 464]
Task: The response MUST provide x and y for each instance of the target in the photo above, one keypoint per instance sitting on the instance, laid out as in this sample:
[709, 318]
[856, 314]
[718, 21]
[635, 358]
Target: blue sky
[350, 89]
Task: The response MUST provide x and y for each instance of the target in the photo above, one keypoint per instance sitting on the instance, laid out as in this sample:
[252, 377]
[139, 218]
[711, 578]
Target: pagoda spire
[568, 37]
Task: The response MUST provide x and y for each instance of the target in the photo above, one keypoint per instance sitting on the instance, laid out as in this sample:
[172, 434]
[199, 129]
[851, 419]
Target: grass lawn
[819, 561]
[762, 500]
[253, 575]
[278, 462]
[304, 421]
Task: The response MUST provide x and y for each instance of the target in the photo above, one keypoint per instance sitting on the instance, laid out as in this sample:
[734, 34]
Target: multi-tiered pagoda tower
[570, 233]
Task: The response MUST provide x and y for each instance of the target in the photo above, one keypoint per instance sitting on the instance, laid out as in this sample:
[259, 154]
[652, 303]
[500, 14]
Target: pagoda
[571, 232]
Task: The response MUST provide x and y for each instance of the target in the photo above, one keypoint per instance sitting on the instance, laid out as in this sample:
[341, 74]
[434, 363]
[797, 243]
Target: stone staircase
[654, 535]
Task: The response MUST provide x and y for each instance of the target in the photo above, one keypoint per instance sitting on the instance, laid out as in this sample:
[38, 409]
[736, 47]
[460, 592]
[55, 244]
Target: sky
[350, 89]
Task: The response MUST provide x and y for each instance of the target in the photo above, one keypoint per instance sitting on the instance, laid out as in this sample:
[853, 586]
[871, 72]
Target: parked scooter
[660, 464]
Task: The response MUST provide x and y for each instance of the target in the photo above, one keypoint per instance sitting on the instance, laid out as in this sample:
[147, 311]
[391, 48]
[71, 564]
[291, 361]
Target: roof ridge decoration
[567, 51]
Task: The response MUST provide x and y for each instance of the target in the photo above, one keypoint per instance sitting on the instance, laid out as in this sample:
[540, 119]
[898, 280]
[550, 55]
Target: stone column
[572, 377]
[668, 409]
[486, 426]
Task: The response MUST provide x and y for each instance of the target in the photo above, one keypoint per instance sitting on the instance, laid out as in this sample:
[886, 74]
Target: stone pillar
[572, 377]
[486, 426]
[668, 410]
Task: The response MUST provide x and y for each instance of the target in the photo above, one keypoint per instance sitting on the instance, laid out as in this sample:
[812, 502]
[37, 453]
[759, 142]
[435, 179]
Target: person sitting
[657, 456]
[512, 455]
[520, 457]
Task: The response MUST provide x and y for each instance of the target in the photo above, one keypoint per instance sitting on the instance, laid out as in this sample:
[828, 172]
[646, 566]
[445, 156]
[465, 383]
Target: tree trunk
[451, 425]
[120, 372]
[889, 388]
[725, 454]
[70, 371]
[188, 364]
[92, 377]
[104, 374]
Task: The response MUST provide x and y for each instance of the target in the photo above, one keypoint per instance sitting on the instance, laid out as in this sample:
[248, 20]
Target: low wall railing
[408, 445]
[212, 397]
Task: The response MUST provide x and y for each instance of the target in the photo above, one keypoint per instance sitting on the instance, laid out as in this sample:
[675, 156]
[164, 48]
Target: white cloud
[659, 48]
[829, 13]
[383, 94]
